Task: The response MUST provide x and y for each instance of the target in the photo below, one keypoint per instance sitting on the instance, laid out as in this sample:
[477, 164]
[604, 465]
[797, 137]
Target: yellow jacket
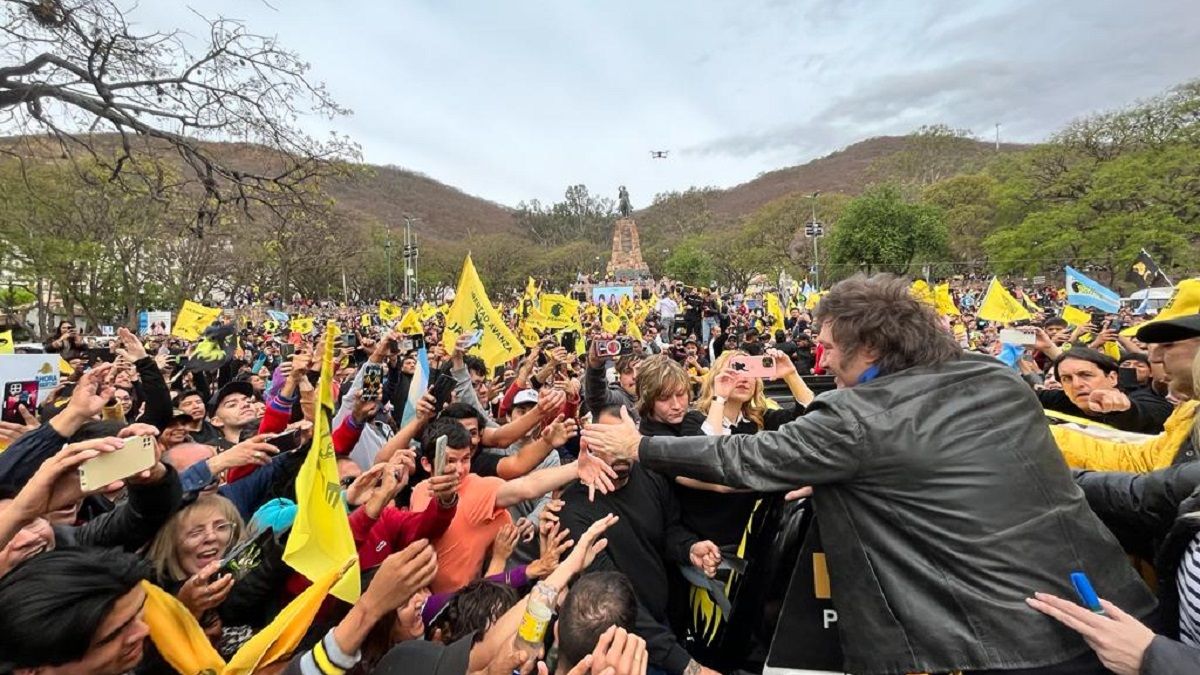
[1085, 452]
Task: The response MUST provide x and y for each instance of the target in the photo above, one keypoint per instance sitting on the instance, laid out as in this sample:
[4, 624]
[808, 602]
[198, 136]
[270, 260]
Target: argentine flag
[1085, 292]
[416, 389]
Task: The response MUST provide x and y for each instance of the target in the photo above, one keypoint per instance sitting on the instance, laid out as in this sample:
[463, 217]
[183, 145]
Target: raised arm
[536, 484]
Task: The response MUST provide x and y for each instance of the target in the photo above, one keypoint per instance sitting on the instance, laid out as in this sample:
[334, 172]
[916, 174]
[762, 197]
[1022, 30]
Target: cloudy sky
[517, 99]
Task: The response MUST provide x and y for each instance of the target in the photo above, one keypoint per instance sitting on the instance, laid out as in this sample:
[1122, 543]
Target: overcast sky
[518, 99]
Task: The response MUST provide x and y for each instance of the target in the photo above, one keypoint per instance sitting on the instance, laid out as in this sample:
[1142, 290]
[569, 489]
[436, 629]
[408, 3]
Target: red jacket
[396, 528]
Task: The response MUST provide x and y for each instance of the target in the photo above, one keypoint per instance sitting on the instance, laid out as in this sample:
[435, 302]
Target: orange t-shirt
[461, 550]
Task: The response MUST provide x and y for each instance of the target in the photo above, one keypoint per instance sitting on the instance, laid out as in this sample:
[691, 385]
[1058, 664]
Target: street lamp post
[815, 230]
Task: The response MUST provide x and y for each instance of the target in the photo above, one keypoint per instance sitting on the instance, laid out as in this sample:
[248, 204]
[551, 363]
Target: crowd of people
[628, 481]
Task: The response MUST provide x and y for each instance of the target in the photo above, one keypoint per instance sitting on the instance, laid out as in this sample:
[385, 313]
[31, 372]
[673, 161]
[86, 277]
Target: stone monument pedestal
[626, 263]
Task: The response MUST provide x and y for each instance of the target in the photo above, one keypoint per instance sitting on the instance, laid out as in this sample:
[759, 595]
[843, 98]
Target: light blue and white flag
[416, 389]
[1085, 292]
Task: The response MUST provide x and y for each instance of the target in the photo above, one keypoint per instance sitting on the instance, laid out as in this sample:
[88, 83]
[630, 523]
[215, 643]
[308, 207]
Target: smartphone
[372, 382]
[1127, 378]
[287, 350]
[474, 339]
[245, 556]
[753, 366]
[286, 441]
[17, 394]
[567, 340]
[135, 456]
[1116, 325]
[439, 456]
[1087, 594]
[1013, 336]
[442, 387]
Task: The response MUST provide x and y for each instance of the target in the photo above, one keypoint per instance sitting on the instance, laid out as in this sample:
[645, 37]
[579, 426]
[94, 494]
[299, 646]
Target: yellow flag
[1000, 306]
[411, 324]
[364, 320]
[178, 637]
[1033, 307]
[1112, 350]
[812, 301]
[321, 537]
[922, 292]
[388, 312]
[473, 311]
[193, 319]
[302, 324]
[609, 320]
[1076, 317]
[185, 647]
[282, 636]
[634, 329]
[6, 342]
[559, 310]
[775, 309]
[944, 301]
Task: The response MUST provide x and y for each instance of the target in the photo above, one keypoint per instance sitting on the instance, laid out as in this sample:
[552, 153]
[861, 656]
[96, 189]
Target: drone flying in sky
[659, 154]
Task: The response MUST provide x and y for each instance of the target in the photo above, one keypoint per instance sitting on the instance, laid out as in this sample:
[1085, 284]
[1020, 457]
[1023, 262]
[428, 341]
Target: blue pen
[1087, 594]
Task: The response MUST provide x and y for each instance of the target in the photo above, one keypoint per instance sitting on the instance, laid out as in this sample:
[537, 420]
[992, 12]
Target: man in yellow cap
[1174, 340]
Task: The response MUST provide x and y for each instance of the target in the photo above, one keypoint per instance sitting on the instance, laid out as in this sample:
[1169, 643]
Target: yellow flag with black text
[609, 320]
[321, 538]
[1000, 306]
[472, 311]
[193, 319]
[559, 310]
[6, 342]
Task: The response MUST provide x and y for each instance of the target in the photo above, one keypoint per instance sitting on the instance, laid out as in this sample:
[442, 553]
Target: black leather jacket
[943, 503]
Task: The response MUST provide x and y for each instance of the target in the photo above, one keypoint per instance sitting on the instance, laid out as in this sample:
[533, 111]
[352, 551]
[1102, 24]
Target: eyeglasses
[196, 534]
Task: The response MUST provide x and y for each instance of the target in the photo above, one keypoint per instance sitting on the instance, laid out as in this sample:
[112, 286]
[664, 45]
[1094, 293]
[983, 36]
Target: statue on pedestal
[623, 206]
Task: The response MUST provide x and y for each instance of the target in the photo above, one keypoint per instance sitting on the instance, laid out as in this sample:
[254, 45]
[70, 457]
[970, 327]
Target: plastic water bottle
[539, 609]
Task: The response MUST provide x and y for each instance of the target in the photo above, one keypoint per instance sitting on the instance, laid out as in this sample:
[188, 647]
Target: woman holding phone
[186, 557]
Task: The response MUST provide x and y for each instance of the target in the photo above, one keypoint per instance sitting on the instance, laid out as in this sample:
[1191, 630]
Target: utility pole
[997, 137]
[815, 231]
[387, 246]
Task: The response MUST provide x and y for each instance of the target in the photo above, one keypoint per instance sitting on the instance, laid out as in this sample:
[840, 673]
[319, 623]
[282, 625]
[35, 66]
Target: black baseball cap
[235, 387]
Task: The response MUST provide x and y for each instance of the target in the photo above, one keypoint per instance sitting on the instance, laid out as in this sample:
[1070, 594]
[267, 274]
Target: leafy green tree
[690, 263]
[969, 206]
[880, 231]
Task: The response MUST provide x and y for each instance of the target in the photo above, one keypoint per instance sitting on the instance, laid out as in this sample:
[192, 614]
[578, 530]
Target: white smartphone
[135, 456]
[439, 456]
[1014, 336]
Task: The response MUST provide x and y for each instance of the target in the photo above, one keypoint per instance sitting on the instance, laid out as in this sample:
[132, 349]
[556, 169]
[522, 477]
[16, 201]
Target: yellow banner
[6, 342]
[193, 319]
[471, 311]
[321, 539]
